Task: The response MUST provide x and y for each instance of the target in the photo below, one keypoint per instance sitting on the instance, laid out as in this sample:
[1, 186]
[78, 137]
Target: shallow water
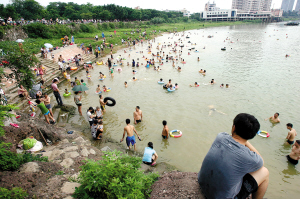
[262, 81]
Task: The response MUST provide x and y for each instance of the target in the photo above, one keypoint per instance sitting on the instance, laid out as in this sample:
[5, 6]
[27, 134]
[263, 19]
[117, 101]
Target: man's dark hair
[290, 125]
[277, 114]
[55, 80]
[100, 96]
[38, 101]
[298, 141]
[127, 121]
[246, 126]
[95, 121]
[164, 122]
[150, 144]
[138, 107]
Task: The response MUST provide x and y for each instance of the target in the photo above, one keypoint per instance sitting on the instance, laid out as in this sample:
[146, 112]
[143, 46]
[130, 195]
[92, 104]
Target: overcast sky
[191, 5]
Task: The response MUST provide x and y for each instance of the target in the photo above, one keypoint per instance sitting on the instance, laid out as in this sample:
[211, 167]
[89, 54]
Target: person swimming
[222, 85]
[125, 83]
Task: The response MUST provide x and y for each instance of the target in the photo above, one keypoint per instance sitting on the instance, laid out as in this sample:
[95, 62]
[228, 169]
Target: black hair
[246, 126]
[38, 101]
[170, 80]
[95, 121]
[55, 80]
[164, 122]
[290, 125]
[161, 79]
[91, 108]
[125, 82]
[138, 107]
[277, 114]
[100, 96]
[127, 121]
[298, 141]
[82, 80]
[42, 82]
[76, 92]
[150, 144]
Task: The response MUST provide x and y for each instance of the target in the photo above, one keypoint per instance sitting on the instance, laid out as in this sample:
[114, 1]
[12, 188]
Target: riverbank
[66, 152]
[81, 36]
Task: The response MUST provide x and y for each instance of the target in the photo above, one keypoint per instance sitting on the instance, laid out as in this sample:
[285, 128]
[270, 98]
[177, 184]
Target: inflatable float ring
[176, 131]
[263, 134]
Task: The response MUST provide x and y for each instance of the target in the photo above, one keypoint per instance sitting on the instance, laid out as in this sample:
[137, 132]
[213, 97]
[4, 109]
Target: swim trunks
[164, 137]
[290, 142]
[48, 106]
[138, 121]
[102, 108]
[249, 186]
[130, 140]
[47, 113]
[292, 160]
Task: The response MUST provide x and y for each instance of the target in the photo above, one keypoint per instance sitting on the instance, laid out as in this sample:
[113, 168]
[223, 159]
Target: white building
[185, 12]
[251, 6]
[212, 12]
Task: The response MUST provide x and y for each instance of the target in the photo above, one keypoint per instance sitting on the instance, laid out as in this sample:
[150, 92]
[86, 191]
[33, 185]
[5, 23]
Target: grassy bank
[87, 36]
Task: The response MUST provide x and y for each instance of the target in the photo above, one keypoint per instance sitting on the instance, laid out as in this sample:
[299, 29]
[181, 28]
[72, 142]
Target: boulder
[67, 108]
[67, 163]
[69, 187]
[30, 167]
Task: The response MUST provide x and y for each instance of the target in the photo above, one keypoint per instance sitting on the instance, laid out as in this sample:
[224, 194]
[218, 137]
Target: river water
[262, 81]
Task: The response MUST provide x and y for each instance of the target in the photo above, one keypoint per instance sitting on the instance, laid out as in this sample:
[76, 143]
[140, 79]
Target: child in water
[195, 85]
[98, 89]
[176, 86]
[125, 83]
[66, 91]
[82, 82]
[227, 85]
[104, 88]
[222, 85]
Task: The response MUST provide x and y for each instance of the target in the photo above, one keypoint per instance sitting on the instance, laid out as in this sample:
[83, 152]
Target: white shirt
[88, 115]
[99, 113]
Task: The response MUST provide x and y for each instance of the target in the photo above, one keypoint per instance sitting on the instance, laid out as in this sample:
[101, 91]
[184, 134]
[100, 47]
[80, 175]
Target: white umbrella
[47, 45]
[19, 40]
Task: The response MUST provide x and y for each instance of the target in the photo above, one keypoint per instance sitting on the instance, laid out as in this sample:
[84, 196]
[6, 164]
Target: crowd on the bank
[22, 21]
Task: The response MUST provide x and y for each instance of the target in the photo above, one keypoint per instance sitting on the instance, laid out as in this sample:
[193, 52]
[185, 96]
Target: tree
[105, 15]
[20, 61]
[136, 15]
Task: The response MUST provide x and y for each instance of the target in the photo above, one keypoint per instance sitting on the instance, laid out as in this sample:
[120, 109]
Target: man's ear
[233, 129]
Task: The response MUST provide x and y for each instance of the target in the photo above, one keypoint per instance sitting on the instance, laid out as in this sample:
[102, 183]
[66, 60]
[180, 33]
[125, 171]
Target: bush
[104, 26]
[36, 30]
[112, 25]
[157, 20]
[121, 24]
[15, 193]
[115, 176]
[10, 161]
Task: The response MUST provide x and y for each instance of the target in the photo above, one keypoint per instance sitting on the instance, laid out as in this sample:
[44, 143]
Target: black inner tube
[113, 101]
[165, 86]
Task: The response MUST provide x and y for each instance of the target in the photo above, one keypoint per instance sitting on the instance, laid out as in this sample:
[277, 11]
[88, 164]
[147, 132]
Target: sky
[190, 5]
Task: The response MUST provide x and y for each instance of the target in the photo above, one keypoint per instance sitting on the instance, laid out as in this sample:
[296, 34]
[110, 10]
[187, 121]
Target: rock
[69, 187]
[92, 151]
[55, 153]
[85, 152]
[71, 148]
[30, 167]
[72, 154]
[75, 176]
[69, 197]
[47, 154]
[67, 162]
[79, 140]
[106, 149]
[67, 108]
[64, 141]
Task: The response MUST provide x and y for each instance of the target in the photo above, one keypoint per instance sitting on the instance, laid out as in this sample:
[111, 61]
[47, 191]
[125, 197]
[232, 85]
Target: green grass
[34, 45]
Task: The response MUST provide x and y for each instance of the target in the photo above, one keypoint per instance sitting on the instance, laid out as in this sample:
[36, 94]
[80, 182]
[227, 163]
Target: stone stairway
[52, 71]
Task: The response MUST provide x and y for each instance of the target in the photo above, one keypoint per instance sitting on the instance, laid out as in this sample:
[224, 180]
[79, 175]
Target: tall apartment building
[298, 6]
[251, 5]
[287, 5]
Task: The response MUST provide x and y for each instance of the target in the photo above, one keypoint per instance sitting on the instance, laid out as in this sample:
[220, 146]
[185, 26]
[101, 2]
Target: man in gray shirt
[233, 168]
